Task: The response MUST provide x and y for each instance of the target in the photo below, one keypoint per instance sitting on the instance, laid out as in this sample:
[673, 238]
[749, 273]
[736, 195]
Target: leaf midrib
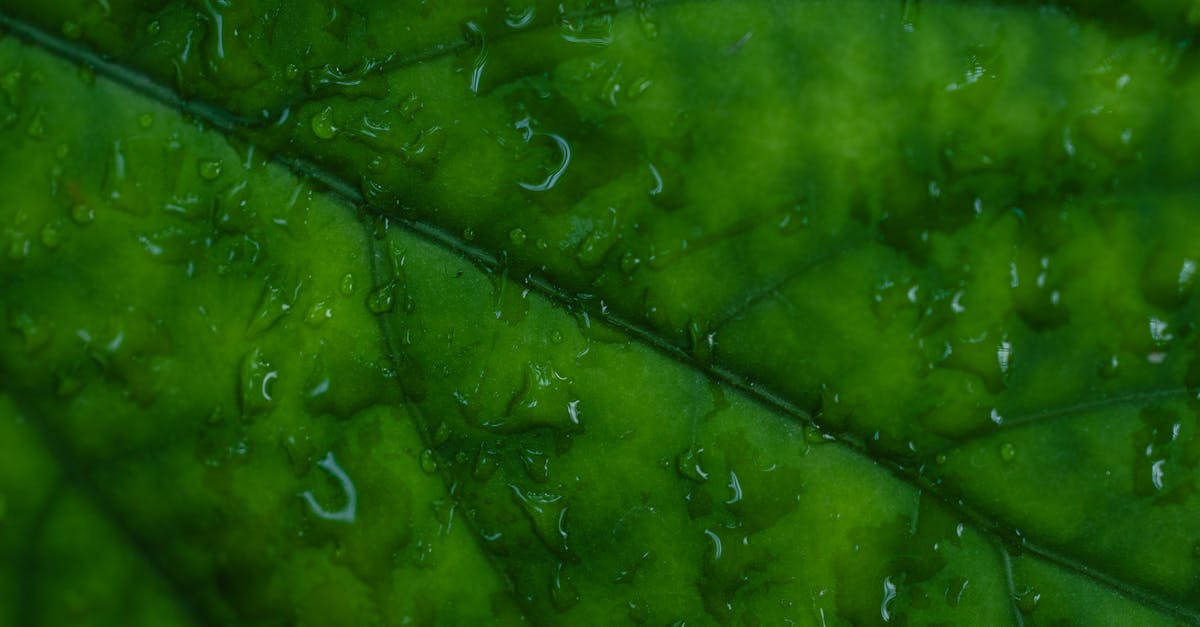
[1006, 538]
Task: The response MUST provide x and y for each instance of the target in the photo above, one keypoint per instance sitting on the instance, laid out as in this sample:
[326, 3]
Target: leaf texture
[699, 312]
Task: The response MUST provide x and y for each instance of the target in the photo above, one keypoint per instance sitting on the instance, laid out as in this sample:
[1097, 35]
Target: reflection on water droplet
[1158, 331]
[1008, 452]
[383, 299]
[209, 170]
[519, 18]
[551, 179]
[889, 593]
[1186, 273]
[347, 512]
[736, 487]
[1003, 356]
[688, 465]
[716, 540]
[347, 285]
[563, 593]
[428, 462]
[591, 31]
[82, 214]
[658, 181]
[475, 34]
[323, 125]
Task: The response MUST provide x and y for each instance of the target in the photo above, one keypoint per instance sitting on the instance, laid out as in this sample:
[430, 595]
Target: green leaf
[598, 312]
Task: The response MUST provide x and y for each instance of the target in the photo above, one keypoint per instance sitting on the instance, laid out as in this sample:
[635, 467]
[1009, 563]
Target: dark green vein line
[382, 269]
[489, 262]
[1011, 584]
[1134, 399]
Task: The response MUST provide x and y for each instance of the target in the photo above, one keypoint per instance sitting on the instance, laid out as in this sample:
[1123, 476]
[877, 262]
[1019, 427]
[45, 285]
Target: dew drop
[1008, 452]
[323, 125]
[347, 285]
[209, 170]
[51, 237]
[428, 462]
[688, 465]
[383, 299]
[347, 513]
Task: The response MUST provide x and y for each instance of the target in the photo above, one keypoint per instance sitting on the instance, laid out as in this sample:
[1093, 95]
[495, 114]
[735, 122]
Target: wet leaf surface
[699, 312]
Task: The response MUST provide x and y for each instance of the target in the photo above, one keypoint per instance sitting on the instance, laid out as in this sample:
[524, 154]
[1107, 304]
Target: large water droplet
[348, 511]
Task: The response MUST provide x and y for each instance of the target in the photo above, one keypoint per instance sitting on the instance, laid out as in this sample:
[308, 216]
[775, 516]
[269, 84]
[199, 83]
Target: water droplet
[318, 314]
[428, 462]
[37, 125]
[258, 381]
[688, 465]
[563, 593]
[475, 34]
[889, 594]
[426, 149]
[51, 237]
[347, 513]
[517, 236]
[485, 463]
[519, 18]
[82, 214]
[469, 234]
[146, 120]
[410, 106]
[442, 434]
[36, 332]
[209, 170]
[275, 302]
[1008, 452]
[547, 514]
[347, 285]
[383, 299]
[323, 125]
[1027, 600]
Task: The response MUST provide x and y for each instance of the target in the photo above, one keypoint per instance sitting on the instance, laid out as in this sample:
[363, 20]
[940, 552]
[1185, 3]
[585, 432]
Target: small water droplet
[347, 285]
[383, 299]
[37, 125]
[318, 314]
[485, 463]
[323, 125]
[428, 462]
[258, 382]
[688, 465]
[517, 236]
[209, 170]
[1027, 600]
[563, 593]
[146, 120]
[1008, 452]
[51, 237]
[82, 214]
[442, 434]
[347, 513]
